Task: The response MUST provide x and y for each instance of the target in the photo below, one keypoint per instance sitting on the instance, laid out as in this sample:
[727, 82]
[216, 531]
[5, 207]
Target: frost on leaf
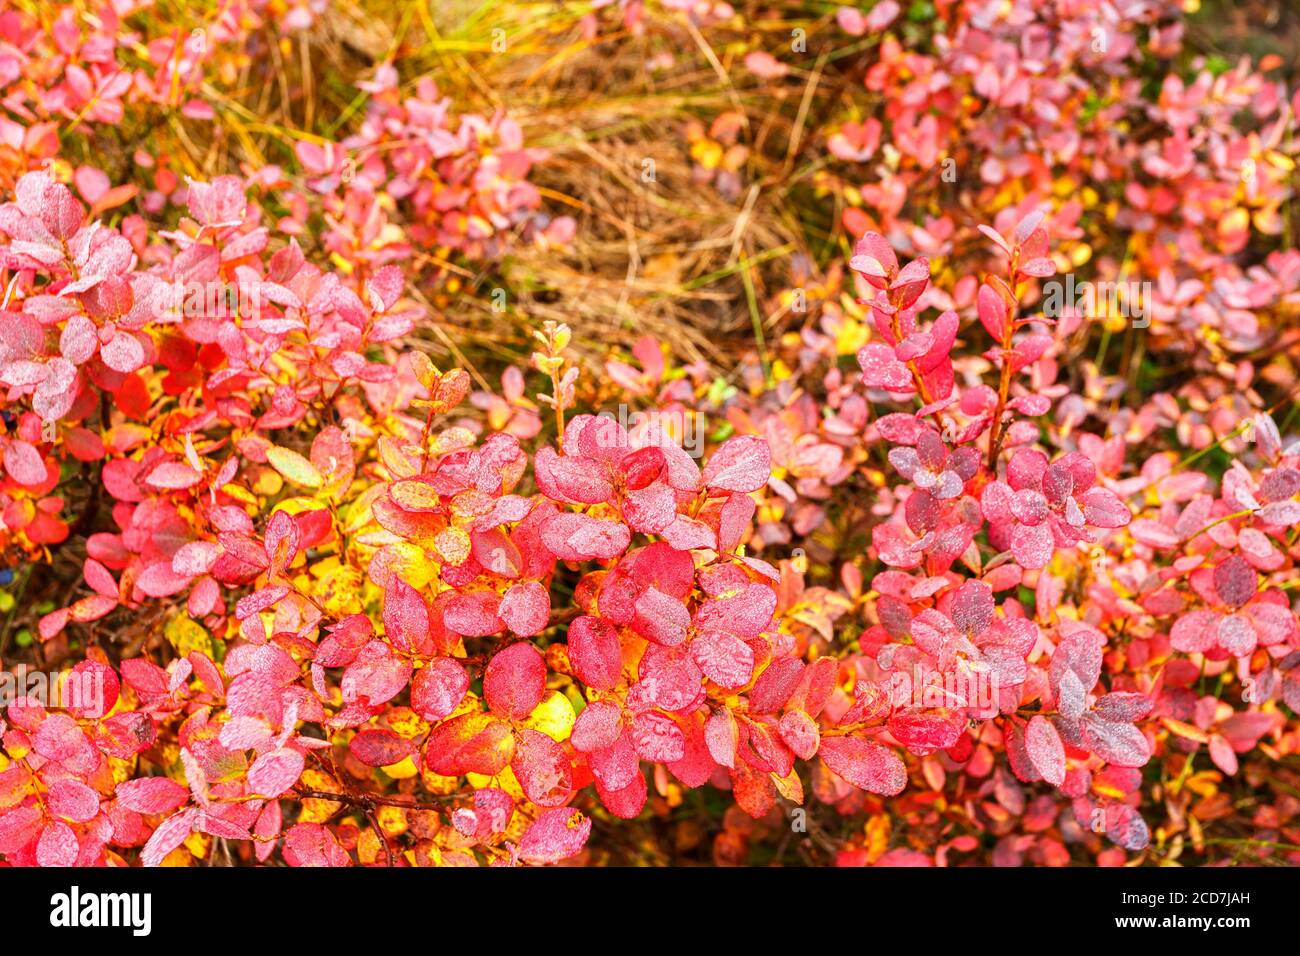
[555, 835]
[864, 764]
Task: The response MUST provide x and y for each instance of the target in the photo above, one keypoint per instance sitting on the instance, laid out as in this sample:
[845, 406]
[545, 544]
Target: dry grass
[673, 257]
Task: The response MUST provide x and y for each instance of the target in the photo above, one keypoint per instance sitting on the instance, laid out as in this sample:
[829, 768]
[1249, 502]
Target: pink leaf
[742, 464]
[1117, 743]
[579, 537]
[377, 675]
[1104, 509]
[78, 340]
[724, 658]
[123, 352]
[24, 463]
[555, 835]
[438, 688]
[526, 608]
[170, 834]
[474, 614]
[73, 800]
[273, 773]
[1046, 750]
[57, 845]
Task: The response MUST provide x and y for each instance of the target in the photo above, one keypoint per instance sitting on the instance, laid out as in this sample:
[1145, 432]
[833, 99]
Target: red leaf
[438, 688]
[151, 794]
[470, 743]
[515, 681]
[579, 537]
[595, 653]
[542, 768]
[928, 732]
[864, 764]
[775, 685]
[992, 313]
[380, 748]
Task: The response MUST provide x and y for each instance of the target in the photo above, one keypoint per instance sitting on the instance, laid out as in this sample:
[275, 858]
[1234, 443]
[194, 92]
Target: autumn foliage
[936, 586]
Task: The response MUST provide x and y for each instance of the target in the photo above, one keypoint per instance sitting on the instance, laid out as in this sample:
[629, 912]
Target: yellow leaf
[178, 857]
[878, 831]
[505, 780]
[1279, 160]
[124, 770]
[411, 564]
[554, 716]
[849, 337]
[397, 457]
[368, 848]
[453, 544]
[298, 504]
[415, 495]
[707, 153]
[1236, 221]
[361, 512]
[265, 482]
[406, 723]
[392, 820]
[438, 784]
[1186, 730]
[294, 467]
[404, 769]
[423, 368]
[186, 634]
[1204, 784]
[314, 810]
[338, 590]
[789, 786]
[198, 844]
[453, 439]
